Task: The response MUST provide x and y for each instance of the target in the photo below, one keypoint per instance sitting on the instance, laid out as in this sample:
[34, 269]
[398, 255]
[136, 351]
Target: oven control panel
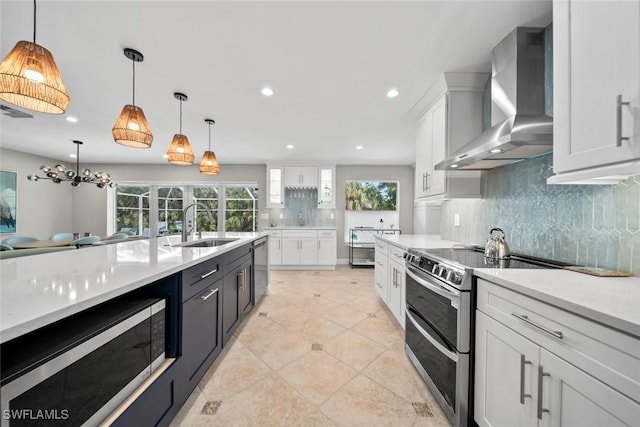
[434, 267]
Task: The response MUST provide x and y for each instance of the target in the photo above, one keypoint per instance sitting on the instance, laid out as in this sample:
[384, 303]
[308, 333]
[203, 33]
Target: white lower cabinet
[390, 277]
[304, 249]
[521, 381]
[299, 251]
[396, 294]
[275, 247]
[327, 247]
[381, 276]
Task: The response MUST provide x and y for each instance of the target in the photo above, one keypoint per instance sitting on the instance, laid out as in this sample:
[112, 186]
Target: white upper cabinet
[300, 176]
[326, 189]
[452, 118]
[596, 74]
[275, 193]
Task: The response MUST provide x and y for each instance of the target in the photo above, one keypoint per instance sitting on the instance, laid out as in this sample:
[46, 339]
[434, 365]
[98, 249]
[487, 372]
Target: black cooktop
[474, 258]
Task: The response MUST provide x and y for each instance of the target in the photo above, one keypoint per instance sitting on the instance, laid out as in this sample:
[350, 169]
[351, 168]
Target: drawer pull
[209, 295]
[541, 375]
[523, 362]
[525, 318]
[205, 275]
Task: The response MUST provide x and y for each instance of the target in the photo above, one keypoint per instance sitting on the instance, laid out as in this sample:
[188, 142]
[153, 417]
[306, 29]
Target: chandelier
[60, 173]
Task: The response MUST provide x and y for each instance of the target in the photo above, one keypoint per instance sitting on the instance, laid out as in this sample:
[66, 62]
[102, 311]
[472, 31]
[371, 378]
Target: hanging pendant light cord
[209, 136]
[34, 21]
[180, 116]
[134, 82]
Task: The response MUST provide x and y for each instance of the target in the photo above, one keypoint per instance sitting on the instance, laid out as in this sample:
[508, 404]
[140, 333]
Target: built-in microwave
[77, 371]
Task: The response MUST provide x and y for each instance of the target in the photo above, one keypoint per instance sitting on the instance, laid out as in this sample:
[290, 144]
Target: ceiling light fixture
[209, 164]
[60, 173]
[131, 128]
[393, 93]
[180, 152]
[495, 151]
[267, 91]
[29, 77]
[289, 147]
[454, 166]
[71, 119]
[359, 147]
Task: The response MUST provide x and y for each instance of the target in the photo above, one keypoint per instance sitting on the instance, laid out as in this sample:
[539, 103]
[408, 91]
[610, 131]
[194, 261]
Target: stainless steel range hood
[520, 127]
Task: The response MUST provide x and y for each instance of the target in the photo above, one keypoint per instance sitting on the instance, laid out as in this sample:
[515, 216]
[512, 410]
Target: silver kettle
[497, 247]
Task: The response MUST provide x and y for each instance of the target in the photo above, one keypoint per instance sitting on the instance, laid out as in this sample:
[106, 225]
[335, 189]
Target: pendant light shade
[131, 128]
[29, 78]
[209, 164]
[180, 152]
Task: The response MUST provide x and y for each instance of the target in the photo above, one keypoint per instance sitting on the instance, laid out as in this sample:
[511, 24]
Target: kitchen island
[55, 305]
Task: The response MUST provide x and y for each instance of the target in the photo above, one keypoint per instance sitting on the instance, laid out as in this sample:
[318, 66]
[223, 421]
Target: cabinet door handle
[523, 362]
[619, 137]
[541, 375]
[209, 295]
[318, 244]
[241, 275]
[424, 184]
[279, 241]
[426, 181]
[525, 318]
[205, 275]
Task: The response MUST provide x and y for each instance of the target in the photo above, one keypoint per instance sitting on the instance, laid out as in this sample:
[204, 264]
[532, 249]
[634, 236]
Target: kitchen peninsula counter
[41, 289]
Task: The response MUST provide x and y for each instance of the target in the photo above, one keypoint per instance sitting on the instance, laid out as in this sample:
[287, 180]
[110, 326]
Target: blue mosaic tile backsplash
[590, 225]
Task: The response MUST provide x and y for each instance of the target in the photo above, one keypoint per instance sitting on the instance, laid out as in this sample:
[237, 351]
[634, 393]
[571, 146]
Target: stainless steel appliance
[78, 370]
[440, 324]
[260, 268]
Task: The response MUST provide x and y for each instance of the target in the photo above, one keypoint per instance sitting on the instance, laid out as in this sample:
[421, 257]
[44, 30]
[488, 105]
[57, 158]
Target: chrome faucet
[185, 227]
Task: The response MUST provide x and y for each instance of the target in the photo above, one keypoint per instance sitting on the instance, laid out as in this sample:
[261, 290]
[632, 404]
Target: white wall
[402, 174]
[42, 207]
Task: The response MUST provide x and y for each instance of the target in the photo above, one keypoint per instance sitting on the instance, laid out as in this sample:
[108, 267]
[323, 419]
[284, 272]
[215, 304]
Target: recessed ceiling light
[393, 93]
[359, 147]
[165, 155]
[495, 150]
[267, 91]
[290, 147]
[72, 119]
[73, 156]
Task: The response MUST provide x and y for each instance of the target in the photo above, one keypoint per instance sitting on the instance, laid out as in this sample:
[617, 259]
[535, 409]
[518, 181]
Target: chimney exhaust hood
[520, 127]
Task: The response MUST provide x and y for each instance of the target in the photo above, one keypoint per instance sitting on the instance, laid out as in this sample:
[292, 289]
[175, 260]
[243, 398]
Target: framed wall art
[8, 198]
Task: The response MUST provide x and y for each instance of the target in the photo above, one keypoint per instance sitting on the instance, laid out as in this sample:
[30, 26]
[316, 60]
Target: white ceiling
[329, 63]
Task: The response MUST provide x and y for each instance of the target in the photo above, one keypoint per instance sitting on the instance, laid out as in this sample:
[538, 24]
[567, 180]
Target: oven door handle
[442, 349]
[439, 289]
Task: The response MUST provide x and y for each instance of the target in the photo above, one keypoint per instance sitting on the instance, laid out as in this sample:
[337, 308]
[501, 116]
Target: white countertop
[37, 290]
[304, 227]
[424, 241]
[612, 301]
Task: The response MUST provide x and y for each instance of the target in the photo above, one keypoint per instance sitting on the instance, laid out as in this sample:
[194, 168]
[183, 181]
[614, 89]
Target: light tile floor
[320, 350]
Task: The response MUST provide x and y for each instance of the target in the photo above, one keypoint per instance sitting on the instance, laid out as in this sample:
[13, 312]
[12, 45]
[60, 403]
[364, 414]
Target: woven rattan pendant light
[209, 164]
[180, 152]
[131, 128]
[29, 77]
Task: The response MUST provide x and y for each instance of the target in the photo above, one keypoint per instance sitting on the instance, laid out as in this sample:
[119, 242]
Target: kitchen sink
[206, 243]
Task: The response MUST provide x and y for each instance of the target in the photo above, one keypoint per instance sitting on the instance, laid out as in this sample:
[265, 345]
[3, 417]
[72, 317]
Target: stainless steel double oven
[438, 331]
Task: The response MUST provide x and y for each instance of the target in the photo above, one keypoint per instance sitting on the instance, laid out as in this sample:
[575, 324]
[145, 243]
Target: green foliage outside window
[371, 196]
